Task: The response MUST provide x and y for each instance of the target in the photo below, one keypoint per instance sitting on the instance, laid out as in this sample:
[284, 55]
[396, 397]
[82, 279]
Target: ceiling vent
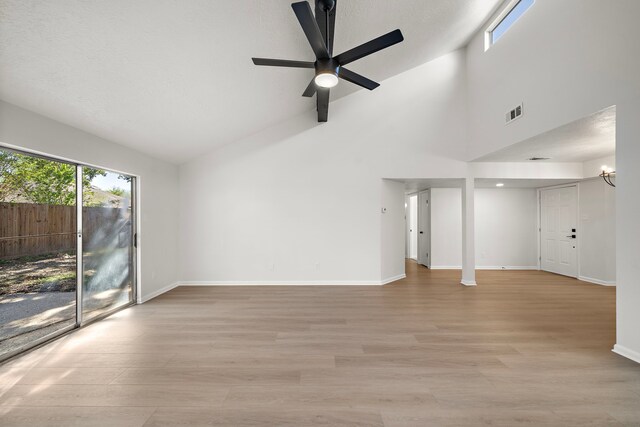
[511, 115]
[535, 159]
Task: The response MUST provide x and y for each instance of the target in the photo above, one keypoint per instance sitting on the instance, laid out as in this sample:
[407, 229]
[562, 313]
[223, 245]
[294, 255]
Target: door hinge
[135, 240]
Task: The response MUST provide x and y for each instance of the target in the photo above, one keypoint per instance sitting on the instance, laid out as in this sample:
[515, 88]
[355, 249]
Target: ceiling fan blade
[311, 89]
[370, 47]
[323, 104]
[310, 28]
[357, 79]
[327, 30]
[282, 63]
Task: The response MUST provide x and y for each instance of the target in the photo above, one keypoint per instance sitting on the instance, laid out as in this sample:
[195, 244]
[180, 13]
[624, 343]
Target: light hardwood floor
[523, 348]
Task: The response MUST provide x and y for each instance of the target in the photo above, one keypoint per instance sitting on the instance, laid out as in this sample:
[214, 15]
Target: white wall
[300, 202]
[392, 239]
[506, 228]
[158, 231]
[446, 228]
[628, 229]
[565, 60]
[597, 232]
[593, 168]
[530, 170]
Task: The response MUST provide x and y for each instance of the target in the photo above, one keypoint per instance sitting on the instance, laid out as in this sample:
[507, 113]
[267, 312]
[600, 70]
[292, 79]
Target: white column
[468, 234]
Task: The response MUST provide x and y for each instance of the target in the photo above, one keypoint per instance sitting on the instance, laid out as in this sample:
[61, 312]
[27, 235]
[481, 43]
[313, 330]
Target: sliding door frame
[79, 267]
[135, 259]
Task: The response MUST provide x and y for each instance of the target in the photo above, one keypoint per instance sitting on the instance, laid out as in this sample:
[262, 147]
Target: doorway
[559, 230]
[67, 247]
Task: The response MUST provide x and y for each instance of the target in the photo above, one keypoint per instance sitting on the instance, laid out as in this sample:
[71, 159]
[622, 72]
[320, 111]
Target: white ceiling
[174, 78]
[589, 138]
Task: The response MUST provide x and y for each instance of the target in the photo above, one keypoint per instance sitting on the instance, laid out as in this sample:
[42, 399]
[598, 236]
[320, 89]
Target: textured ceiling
[589, 138]
[174, 78]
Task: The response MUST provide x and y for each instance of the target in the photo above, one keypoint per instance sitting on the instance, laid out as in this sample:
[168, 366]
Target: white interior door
[413, 226]
[424, 241]
[558, 230]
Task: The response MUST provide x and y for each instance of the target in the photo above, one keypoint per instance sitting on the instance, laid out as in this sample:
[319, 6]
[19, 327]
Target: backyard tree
[37, 180]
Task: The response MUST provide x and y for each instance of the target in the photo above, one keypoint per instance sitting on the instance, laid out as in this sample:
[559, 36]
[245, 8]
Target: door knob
[421, 232]
[573, 236]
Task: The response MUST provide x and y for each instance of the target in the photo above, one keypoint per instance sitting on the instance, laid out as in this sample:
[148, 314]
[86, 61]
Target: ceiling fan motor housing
[327, 66]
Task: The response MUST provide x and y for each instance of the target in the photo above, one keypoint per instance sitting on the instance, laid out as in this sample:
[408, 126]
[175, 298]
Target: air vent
[511, 115]
[535, 159]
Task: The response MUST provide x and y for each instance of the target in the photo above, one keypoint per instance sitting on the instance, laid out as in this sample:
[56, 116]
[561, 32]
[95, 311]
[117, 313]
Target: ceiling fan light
[326, 80]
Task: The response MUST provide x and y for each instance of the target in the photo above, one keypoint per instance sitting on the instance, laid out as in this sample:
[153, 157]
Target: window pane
[37, 249]
[508, 20]
[107, 243]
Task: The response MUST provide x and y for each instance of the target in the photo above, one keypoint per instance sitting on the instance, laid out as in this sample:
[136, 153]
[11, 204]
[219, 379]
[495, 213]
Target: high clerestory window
[514, 10]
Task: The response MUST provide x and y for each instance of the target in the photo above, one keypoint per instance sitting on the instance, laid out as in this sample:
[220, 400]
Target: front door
[559, 232]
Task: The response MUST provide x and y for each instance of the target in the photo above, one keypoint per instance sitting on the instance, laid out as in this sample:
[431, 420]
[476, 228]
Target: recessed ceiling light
[500, 184]
[538, 158]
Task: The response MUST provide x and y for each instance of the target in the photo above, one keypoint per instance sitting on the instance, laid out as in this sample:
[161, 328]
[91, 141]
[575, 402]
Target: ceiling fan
[328, 68]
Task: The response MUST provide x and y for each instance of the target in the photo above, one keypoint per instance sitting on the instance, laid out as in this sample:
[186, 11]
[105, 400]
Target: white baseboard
[393, 279]
[486, 267]
[625, 352]
[596, 281]
[281, 283]
[468, 283]
[144, 298]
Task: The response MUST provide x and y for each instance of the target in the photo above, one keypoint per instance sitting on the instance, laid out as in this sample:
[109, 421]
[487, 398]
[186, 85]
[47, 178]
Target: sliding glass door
[107, 242]
[50, 211]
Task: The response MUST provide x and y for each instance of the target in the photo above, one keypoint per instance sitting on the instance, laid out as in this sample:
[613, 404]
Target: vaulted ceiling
[174, 78]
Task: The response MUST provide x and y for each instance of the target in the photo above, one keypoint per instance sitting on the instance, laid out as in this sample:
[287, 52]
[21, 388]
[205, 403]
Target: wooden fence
[33, 229]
